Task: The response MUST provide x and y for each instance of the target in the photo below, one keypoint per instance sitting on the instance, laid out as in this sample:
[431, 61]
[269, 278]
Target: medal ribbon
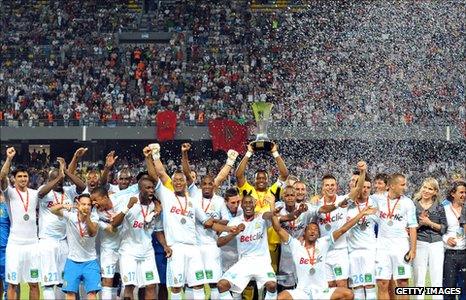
[390, 213]
[56, 198]
[183, 210]
[327, 215]
[81, 229]
[26, 206]
[144, 214]
[208, 205]
[312, 258]
[363, 220]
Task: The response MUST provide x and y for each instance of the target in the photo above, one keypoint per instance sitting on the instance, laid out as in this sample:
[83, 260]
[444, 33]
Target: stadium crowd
[333, 63]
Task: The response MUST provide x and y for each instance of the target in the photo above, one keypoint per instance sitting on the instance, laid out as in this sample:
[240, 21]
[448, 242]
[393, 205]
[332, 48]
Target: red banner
[228, 134]
[166, 125]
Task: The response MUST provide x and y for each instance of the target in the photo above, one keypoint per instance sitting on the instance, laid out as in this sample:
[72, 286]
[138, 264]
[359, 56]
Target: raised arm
[76, 157]
[362, 167]
[118, 219]
[151, 169]
[240, 171]
[92, 227]
[51, 183]
[159, 168]
[340, 231]
[185, 147]
[10, 153]
[284, 236]
[282, 169]
[225, 171]
[110, 160]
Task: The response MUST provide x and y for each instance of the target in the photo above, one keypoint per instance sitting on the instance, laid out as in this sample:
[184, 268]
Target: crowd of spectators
[339, 63]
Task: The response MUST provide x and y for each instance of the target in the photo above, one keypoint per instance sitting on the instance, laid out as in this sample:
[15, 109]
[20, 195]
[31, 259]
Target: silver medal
[183, 221]
[390, 223]
[363, 227]
[26, 217]
[312, 271]
[328, 227]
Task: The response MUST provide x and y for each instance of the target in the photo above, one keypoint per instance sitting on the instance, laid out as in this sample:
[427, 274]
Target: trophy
[262, 112]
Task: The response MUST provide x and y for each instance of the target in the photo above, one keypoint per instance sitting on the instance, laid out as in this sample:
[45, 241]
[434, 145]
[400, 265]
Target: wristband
[248, 154]
[230, 162]
[275, 154]
[156, 156]
[125, 210]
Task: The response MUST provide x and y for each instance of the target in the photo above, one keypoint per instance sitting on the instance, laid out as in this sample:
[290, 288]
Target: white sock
[106, 293]
[59, 293]
[270, 295]
[188, 293]
[359, 294]
[226, 296]
[198, 294]
[49, 293]
[214, 294]
[371, 293]
[236, 296]
[176, 296]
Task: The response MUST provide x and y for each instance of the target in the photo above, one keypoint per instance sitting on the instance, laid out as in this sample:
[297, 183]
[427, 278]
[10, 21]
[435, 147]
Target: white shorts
[229, 258]
[22, 263]
[139, 272]
[362, 267]
[212, 263]
[248, 268]
[337, 264]
[389, 261]
[108, 262]
[185, 266]
[299, 294]
[322, 294]
[53, 254]
[287, 269]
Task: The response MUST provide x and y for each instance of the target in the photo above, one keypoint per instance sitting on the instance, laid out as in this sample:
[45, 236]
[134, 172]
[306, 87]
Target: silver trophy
[262, 116]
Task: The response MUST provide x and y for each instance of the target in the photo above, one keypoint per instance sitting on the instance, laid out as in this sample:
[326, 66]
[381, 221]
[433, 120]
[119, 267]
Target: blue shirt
[4, 224]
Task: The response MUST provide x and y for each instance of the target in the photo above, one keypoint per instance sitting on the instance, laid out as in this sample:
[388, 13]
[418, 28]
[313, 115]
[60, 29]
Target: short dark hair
[19, 168]
[394, 177]
[100, 190]
[382, 176]
[454, 187]
[328, 176]
[261, 171]
[84, 195]
[231, 192]
[140, 174]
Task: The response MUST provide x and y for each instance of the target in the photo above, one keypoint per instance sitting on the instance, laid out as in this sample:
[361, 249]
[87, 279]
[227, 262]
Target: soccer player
[301, 192]
[4, 233]
[22, 259]
[81, 264]
[53, 247]
[380, 183]
[92, 176]
[309, 257]
[254, 258]
[137, 257]
[395, 252]
[180, 214]
[337, 257]
[124, 176]
[362, 242]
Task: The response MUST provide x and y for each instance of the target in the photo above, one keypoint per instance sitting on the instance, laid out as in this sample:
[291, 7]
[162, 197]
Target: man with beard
[254, 258]
[309, 257]
[137, 258]
[53, 246]
[22, 259]
[180, 215]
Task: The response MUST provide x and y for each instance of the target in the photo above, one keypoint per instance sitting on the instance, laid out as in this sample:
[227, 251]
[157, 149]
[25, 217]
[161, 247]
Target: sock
[49, 293]
[236, 296]
[106, 293]
[371, 293]
[176, 296]
[226, 296]
[270, 295]
[59, 293]
[198, 294]
[359, 294]
[188, 293]
[214, 294]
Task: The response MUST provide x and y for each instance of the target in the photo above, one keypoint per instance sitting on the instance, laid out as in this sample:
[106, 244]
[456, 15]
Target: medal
[312, 271]
[183, 221]
[25, 205]
[363, 227]
[390, 211]
[328, 227]
[390, 223]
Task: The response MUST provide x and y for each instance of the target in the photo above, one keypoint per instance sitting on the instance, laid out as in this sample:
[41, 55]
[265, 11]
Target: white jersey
[111, 240]
[252, 241]
[179, 216]
[23, 216]
[50, 225]
[454, 230]
[362, 235]
[296, 227]
[329, 222]
[136, 236]
[310, 264]
[113, 188]
[229, 251]
[81, 245]
[402, 215]
[213, 208]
